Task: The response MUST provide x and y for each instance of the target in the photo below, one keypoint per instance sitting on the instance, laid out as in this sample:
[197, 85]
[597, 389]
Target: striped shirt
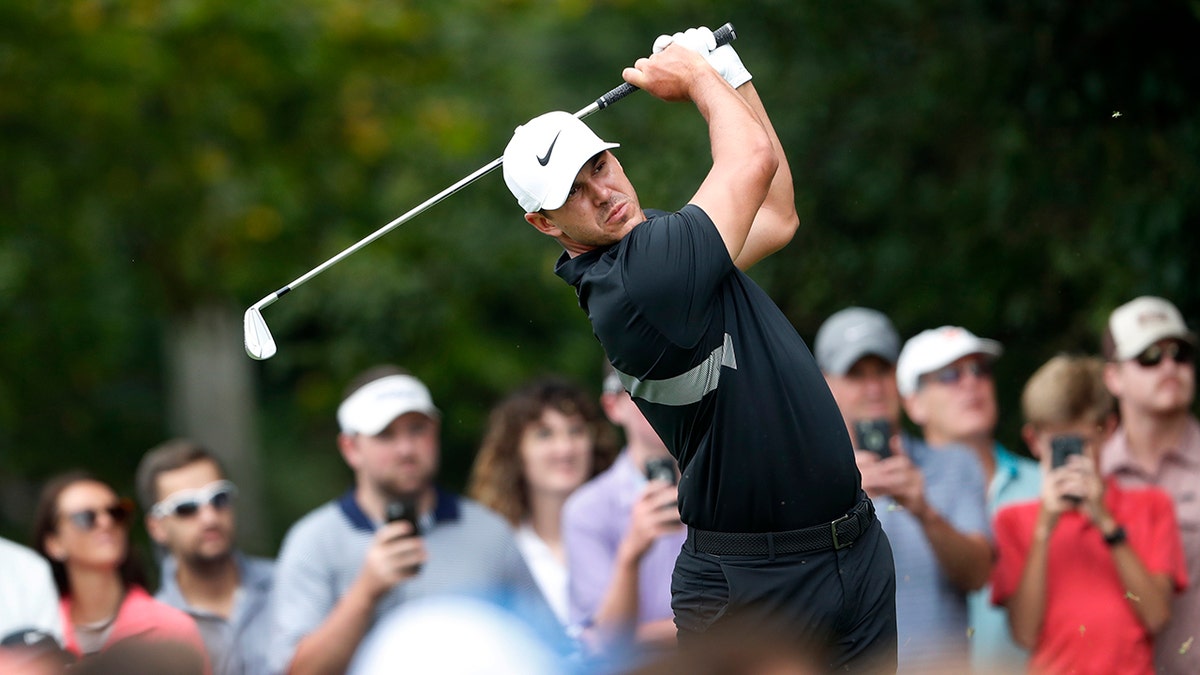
[470, 550]
[931, 613]
[236, 645]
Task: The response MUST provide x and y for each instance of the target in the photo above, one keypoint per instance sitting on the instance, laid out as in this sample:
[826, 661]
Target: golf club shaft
[724, 35]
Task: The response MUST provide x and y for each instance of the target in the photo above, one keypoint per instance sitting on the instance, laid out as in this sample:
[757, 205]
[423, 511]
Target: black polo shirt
[721, 374]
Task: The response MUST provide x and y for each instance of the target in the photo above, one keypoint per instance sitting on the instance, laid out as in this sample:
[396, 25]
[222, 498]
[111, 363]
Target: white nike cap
[544, 156]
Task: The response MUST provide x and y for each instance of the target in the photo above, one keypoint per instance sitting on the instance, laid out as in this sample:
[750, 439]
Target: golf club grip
[723, 35]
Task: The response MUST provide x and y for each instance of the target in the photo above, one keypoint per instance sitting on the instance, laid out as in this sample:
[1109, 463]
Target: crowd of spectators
[1077, 554]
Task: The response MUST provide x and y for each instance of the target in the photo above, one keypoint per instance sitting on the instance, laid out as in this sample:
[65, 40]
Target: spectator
[931, 502]
[190, 513]
[1087, 571]
[945, 378]
[1151, 371]
[341, 567]
[623, 535]
[30, 624]
[28, 598]
[82, 528]
[542, 442]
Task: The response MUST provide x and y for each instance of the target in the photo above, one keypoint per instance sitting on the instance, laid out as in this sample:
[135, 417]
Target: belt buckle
[837, 546]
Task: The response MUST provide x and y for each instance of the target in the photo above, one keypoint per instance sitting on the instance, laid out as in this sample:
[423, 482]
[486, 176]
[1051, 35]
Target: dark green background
[1018, 168]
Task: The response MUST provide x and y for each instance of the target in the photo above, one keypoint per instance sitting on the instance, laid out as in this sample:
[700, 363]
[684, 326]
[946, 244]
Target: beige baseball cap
[1141, 322]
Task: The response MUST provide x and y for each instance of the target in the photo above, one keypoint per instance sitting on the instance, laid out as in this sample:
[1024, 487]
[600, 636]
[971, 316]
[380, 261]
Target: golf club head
[259, 343]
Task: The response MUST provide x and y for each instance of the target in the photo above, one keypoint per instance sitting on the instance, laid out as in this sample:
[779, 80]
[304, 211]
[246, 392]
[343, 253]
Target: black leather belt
[835, 535]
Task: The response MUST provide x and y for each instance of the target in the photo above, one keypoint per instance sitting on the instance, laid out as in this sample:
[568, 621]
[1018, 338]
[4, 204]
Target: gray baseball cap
[851, 334]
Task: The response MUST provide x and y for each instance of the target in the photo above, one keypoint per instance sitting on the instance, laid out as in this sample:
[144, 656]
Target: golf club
[259, 343]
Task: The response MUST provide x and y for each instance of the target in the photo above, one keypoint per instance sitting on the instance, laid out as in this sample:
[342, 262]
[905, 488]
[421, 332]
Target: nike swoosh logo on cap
[546, 159]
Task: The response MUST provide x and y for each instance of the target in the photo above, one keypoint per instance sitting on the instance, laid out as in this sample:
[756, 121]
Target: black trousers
[839, 604]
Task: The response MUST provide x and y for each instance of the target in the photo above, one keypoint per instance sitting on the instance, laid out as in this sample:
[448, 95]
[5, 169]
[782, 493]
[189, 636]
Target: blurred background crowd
[1019, 169]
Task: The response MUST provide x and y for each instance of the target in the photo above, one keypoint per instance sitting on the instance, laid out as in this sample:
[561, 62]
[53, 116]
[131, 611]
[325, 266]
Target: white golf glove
[724, 59]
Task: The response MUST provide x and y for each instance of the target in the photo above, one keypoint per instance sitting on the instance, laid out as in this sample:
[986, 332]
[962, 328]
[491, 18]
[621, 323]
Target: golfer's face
[601, 207]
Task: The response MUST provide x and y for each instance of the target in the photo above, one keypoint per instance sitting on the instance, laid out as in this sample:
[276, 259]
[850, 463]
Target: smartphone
[661, 468]
[874, 435]
[1062, 447]
[405, 509]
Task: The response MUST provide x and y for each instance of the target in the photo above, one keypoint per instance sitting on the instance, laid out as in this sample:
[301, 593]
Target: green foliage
[955, 163]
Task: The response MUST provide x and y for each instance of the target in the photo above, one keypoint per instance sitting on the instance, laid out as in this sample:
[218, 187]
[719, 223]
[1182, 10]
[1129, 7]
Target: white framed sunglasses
[187, 503]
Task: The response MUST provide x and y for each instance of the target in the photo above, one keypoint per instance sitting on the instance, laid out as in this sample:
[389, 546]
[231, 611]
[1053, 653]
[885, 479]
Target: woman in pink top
[82, 528]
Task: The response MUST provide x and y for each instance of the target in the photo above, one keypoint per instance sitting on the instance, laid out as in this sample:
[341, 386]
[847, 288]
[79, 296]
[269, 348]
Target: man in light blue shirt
[930, 502]
[945, 377]
[189, 507]
[346, 564]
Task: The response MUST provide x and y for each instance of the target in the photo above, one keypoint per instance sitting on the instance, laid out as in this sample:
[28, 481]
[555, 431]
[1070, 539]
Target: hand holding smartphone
[874, 436]
[405, 509]
[661, 468]
[1061, 449]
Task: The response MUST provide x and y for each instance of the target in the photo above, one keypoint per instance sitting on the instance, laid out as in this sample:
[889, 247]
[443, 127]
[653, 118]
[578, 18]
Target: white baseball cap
[371, 408]
[544, 156]
[936, 348]
[1141, 322]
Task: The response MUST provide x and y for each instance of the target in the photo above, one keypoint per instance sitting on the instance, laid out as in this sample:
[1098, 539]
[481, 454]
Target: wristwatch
[1117, 536]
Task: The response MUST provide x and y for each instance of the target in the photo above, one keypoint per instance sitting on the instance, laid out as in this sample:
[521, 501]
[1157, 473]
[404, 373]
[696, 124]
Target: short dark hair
[168, 456]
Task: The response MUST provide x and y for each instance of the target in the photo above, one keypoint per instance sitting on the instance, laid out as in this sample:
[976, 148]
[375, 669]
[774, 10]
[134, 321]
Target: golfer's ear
[543, 224]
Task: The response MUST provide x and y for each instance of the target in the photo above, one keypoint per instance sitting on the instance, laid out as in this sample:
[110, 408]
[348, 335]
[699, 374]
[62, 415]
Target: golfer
[778, 527]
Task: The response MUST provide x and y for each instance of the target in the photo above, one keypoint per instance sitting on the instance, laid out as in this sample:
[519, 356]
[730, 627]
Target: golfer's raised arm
[777, 220]
[744, 160]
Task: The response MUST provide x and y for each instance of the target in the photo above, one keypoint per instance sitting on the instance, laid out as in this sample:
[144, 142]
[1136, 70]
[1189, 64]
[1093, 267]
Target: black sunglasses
[187, 503]
[952, 374]
[1180, 352]
[88, 519]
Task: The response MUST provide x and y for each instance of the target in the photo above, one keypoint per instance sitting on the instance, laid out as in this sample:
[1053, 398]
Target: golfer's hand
[654, 514]
[702, 41]
[394, 556]
[672, 74]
